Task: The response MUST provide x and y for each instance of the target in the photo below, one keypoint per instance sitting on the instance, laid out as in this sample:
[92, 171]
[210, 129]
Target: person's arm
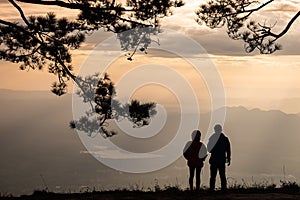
[210, 144]
[185, 150]
[228, 152]
[203, 152]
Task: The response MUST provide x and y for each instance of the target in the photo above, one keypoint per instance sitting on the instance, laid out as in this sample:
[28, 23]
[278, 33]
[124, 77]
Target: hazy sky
[265, 81]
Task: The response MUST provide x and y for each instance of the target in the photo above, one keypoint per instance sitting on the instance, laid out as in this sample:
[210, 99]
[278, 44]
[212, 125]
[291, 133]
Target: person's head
[196, 135]
[218, 128]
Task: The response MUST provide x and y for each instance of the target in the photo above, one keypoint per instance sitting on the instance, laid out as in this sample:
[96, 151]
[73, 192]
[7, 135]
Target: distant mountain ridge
[49, 94]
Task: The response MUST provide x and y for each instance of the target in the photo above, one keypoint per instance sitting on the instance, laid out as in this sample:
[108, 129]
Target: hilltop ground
[168, 194]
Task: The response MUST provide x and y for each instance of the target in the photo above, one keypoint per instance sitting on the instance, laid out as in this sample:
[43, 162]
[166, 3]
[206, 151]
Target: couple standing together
[195, 152]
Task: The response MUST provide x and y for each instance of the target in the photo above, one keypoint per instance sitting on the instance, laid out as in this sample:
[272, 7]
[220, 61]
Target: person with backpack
[220, 153]
[195, 152]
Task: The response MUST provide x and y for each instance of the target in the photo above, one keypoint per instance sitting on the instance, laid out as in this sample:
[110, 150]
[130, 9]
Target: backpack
[192, 155]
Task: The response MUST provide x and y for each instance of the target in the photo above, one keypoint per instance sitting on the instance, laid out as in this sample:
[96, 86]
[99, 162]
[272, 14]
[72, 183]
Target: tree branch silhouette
[41, 42]
[235, 15]
[100, 93]
[20, 11]
[47, 41]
